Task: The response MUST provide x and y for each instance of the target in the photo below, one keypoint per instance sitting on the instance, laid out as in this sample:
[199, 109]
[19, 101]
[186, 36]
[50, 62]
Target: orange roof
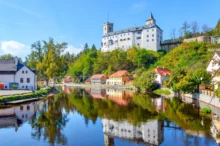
[119, 73]
[162, 71]
[97, 76]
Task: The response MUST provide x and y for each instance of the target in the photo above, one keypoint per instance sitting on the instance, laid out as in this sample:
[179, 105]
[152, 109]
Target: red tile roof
[97, 76]
[119, 73]
[162, 71]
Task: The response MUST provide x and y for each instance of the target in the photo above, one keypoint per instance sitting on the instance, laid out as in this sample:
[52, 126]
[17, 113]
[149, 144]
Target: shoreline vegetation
[26, 96]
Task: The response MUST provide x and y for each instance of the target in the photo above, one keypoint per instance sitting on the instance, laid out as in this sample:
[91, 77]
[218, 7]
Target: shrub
[162, 91]
[206, 110]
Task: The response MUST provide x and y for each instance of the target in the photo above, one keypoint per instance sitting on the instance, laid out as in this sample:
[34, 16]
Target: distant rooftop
[132, 29]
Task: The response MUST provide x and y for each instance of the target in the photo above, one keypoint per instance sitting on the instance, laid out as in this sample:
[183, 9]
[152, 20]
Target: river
[106, 117]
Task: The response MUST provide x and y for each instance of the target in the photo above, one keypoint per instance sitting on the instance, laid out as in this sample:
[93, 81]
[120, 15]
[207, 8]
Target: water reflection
[116, 117]
[15, 116]
[150, 132]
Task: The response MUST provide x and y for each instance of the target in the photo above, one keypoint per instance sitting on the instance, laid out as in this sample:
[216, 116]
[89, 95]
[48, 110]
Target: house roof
[8, 65]
[162, 71]
[119, 73]
[132, 29]
[97, 76]
[218, 53]
[151, 16]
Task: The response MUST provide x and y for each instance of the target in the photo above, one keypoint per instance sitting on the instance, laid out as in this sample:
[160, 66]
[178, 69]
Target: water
[99, 117]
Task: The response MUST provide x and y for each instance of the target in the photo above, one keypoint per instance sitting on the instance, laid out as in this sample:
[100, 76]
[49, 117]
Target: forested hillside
[94, 61]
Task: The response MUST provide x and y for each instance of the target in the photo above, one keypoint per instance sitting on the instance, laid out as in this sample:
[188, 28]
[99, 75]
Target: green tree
[9, 56]
[53, 59]
[146, 81]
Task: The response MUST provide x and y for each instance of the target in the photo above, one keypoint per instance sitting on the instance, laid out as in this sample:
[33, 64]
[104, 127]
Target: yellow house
[119, 78]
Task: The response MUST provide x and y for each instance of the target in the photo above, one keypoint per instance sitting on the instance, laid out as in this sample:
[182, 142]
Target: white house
[162, 75]
[15, 75]
[148, 36]
[150, 132]
[214, 66]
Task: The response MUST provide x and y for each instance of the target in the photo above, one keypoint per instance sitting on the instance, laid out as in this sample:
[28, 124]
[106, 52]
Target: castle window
[124, 39]
[152, 40]
[152, 35]
[22, 71]
[147, 36]
[147, 40]
[138, 38]
[138, 44]
[139, 32]
[128, 38]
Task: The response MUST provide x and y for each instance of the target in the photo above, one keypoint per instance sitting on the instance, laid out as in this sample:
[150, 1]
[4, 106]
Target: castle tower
[107, 28]
[151, 20]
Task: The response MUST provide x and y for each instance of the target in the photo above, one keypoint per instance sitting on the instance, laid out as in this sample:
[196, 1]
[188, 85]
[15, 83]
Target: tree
[9, 56]
[37, 55]
[52, 62]
[185, 27]
[94, 47]
[146, 81]
[194, 27]
[173, 34]
[205, 28]
[86, 47]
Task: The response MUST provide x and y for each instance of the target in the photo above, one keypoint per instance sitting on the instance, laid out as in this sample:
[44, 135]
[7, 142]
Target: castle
[148, 36]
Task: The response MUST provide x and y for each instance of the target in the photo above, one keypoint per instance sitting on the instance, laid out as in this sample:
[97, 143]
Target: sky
[23, 22]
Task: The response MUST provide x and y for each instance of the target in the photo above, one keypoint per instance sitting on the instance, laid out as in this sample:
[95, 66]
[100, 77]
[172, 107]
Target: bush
[161, 91]
[206, 110]
[25, 96]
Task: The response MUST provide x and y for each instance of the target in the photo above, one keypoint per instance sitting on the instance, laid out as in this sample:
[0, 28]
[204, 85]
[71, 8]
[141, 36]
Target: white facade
[22, 75]
[150, 132]
[213, 67]
[148, 36]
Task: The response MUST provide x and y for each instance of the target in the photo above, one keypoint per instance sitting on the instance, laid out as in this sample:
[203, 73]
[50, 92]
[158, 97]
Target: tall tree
[185, 27]
[53, 59]
[194, 27]
[94, 47]
[86, 47]
[173, 34]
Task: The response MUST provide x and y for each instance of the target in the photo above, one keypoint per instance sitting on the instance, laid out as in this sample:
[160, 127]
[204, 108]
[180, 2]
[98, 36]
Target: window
[147, 30]
[152, 29]
[21, 80]
[109, 29]
[138, 38]
[28, 80]
[128, 38]
[147, 36]
[124, 39]
[21, 108]
[26, 87]
[23, 87]
[138, 44]
[26, 71]
[152, 40]
[6, 87]
[147, 40]
[22, 71]
[152, 35]
[139, 32]
[124, 34]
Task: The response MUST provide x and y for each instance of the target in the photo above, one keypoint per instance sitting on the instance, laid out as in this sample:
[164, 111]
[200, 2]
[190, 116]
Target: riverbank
[26, 97]
[122, 87]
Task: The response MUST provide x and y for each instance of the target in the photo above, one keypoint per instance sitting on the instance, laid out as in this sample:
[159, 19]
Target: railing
[207, 92]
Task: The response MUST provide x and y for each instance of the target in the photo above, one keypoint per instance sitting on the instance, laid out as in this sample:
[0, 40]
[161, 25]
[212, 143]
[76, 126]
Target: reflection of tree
[51, 120]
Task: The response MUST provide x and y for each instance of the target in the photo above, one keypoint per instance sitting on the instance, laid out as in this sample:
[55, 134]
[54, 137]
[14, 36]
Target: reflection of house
[88, 81]
[16, 75]
[150, 132]
[162, 74]
[119, 78]
[98, 79]
[213, 66]
[66, 89]
[159, 104]
[98, 93]
[12, 117]
[215, 39]
[119, 96]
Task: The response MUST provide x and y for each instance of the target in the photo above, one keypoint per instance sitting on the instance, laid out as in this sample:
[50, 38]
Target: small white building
[213, 67]
[162, 75]
[15, 75]
[148, 36]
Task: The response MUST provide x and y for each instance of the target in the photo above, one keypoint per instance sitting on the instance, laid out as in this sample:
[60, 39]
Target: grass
[25, 96]
[206, 111]
[162, 91]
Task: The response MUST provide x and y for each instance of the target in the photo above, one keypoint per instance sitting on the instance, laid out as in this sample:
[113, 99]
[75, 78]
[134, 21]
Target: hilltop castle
[148, 36]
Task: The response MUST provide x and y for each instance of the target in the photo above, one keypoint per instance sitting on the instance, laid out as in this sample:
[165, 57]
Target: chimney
[16, 60]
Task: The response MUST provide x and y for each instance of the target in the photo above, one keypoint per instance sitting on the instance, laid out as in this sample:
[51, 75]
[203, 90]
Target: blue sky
[80, 21]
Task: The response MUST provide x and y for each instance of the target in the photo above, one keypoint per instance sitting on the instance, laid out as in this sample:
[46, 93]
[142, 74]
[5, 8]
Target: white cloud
[140, 6]
[14, 48]
[71, 49]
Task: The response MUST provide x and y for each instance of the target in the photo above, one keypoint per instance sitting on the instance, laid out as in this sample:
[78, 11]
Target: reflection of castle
[150, 132]
[13, 117]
